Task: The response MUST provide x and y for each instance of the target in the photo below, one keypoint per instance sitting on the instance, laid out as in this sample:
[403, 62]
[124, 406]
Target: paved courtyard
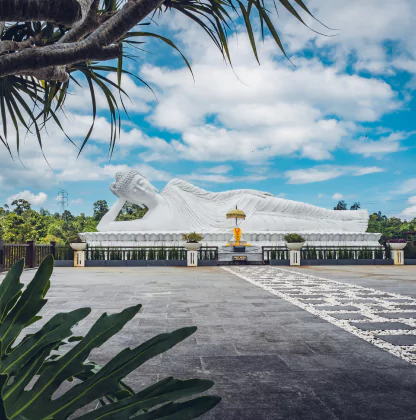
[273, 354]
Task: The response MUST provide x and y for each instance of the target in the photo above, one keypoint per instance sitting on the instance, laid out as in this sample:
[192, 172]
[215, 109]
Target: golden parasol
[236, 214]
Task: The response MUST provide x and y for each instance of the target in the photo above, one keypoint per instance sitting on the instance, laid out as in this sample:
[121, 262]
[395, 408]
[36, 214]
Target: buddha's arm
[111, 215]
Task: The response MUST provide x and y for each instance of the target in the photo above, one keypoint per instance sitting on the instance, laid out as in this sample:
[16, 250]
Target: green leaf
[107, 378]
[55, 330]
[10, 286]
[183, 411]
[164, 391]
[37, 401]
[29, 304]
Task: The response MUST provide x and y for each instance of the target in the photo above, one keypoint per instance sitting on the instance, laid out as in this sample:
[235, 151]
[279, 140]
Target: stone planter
[397, 246]
[239, 249]
[295, 246]
[192, 246]
[78, 246]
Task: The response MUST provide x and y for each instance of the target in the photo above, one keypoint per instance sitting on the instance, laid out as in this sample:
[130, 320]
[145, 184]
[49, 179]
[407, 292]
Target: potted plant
[77, 244]
[294, 241]
[192, 241]
[397, 244]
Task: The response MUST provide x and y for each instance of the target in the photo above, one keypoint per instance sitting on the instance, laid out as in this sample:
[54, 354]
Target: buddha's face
[134, 187]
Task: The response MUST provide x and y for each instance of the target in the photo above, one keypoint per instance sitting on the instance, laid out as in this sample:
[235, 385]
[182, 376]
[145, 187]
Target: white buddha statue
[183, 207]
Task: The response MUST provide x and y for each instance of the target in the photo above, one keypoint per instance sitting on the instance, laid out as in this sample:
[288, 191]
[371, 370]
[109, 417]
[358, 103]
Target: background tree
[355, 206]
[47, 47]
[100, 208]
[20, 206]
[131, 211]
[342, 205]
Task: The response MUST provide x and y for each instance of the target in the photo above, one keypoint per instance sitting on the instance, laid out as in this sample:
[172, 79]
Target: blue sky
[339, 125]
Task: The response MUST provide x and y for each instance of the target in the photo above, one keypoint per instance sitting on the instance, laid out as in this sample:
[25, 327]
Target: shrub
[293, 238]
[192, 237]
[37, 359]
[397, 241]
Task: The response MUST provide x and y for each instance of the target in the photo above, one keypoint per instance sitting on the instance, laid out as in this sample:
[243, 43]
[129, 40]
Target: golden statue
[237, 214]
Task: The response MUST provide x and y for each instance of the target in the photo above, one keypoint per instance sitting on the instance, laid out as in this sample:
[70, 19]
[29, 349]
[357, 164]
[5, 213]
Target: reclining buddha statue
[183, 207]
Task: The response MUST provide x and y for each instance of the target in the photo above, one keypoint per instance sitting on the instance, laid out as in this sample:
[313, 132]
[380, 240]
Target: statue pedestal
[192, 258]
[219, 238]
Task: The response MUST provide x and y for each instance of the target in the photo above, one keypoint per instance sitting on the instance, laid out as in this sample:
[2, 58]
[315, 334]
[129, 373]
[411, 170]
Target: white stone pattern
[305, 291]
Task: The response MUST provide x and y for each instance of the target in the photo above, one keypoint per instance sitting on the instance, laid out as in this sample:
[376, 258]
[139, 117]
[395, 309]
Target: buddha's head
[135, 188]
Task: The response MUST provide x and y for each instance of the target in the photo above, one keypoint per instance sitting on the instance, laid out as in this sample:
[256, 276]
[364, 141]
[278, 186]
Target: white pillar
[294, 257]
[79, 258]
[398, 257]
[192, 258]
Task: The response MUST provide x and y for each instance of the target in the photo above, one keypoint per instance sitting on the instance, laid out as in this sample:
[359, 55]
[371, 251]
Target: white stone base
[294, 257]
[221, 238]
[192, 258]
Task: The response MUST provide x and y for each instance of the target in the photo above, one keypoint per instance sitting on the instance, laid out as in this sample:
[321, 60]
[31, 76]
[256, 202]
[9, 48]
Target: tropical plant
[192, 237]
[54, 44]
[32, 370]
[293, 238]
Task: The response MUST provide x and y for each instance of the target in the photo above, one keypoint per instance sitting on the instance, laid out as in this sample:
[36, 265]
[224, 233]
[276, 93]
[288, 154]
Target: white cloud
[220, 169]
[321, 195]
[221, 179]
[367, 171]
[34, 199]
[409, 212]
[407, 187]
[382, 146]
[257, 112]
[77, 201]
[337, 196]
[326, 172]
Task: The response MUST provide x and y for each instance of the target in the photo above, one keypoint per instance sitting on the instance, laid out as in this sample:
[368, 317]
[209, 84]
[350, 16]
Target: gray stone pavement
[269, 358]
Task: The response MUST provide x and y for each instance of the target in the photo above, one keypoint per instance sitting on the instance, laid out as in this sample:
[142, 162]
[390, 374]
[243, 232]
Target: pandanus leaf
[37, 358]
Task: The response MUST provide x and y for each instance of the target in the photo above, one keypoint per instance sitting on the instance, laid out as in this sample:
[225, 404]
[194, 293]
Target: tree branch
[125, 19]
[88, 24]
[15, 46]
[54, 55]
[97, 46]
[58, 73]
[64, 12]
